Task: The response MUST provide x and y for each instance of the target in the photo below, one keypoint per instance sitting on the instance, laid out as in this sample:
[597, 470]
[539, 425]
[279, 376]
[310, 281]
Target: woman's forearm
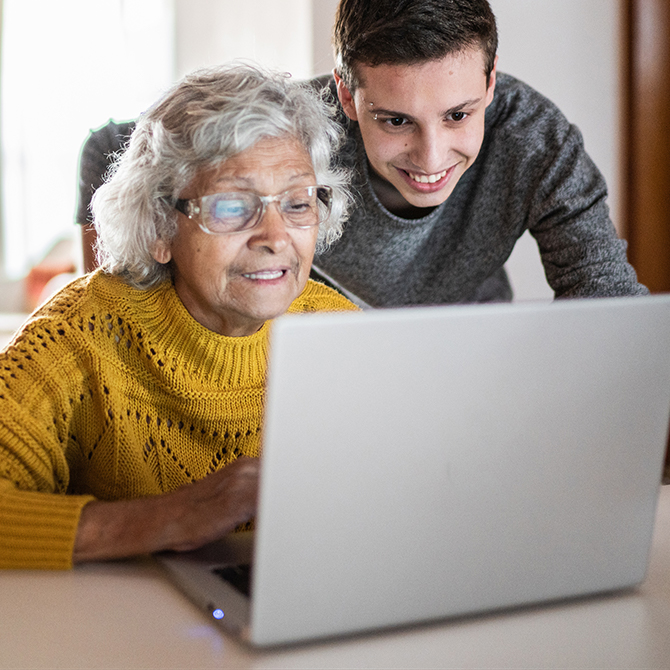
[118, 529]
[183, 519]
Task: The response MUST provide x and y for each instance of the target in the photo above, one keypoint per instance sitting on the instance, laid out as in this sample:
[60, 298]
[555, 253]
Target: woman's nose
[270, 232]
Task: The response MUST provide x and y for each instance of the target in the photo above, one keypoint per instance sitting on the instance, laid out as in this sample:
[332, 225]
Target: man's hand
[184, 519]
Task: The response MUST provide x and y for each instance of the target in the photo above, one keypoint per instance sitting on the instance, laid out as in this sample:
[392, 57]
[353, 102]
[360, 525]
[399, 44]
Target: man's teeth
[267, 274]
[427, 178]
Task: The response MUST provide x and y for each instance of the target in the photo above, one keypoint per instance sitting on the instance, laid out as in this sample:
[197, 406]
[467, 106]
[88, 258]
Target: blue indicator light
[217, 614]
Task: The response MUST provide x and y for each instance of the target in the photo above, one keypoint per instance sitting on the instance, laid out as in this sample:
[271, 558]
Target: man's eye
[396, 121]
[458, 116]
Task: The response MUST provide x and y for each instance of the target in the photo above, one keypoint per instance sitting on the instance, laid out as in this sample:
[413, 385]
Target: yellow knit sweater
[110, 392]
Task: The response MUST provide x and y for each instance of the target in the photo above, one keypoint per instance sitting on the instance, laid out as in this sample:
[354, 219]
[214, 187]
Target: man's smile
[426, 183]
[427, 178]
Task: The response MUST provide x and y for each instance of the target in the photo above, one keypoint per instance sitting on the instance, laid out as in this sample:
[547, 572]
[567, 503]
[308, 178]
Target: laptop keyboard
[238, 576]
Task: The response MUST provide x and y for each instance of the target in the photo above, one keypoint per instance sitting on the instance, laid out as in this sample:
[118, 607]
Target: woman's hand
[184, 519]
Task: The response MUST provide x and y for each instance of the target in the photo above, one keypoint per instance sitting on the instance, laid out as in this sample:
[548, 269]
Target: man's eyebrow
[452, 110]
[463, 105]
[390, 113]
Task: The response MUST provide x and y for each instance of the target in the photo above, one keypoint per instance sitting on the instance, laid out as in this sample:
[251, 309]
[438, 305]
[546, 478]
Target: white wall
[323, 13]
[67, 67]
[569, 50]
[276, 34]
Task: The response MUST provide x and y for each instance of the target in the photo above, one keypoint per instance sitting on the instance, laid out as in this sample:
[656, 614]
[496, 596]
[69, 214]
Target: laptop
[426, 463]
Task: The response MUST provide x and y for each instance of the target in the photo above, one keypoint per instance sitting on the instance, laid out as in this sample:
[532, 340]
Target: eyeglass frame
[191, 208]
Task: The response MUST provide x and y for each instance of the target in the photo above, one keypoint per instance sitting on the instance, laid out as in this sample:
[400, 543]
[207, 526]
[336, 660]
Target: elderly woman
[131, 403]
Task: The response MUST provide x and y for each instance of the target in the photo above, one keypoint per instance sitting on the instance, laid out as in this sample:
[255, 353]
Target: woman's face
[233, 283]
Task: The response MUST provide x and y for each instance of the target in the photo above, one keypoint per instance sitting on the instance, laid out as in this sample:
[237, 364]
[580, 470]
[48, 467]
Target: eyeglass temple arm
[186, 207]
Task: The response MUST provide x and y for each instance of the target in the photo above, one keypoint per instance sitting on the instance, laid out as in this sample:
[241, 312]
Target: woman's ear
[161, 252]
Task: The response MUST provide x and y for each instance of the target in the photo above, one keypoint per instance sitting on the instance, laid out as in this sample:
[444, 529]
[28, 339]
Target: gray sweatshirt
[532, 173]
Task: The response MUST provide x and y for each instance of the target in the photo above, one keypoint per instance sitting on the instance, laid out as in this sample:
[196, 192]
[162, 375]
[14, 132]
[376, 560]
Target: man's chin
[426, 200]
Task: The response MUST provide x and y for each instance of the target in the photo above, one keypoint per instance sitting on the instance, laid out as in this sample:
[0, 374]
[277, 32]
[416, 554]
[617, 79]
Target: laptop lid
[429, 462]
[423, 463]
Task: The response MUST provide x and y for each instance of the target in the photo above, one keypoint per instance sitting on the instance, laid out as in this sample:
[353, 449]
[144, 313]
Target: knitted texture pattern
[110, 392]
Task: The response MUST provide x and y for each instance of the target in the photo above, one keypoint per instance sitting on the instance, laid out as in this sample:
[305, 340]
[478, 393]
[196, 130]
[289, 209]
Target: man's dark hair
[408, 32]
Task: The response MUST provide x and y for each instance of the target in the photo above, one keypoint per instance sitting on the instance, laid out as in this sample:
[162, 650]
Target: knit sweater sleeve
[37, 530]
[38, 521]
[549, 185]
[580, 250]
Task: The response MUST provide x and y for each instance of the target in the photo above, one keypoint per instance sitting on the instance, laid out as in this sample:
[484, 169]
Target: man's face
[422, 125]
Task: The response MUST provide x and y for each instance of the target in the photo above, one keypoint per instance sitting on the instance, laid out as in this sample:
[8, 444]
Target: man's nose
[430, 150]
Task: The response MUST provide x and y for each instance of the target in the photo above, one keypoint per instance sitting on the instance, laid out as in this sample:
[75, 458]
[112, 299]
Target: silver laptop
[425, 463]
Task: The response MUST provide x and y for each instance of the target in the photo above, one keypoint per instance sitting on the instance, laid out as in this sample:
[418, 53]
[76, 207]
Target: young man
[454, 161]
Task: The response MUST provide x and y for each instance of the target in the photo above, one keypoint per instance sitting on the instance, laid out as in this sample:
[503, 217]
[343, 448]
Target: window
[68, 67]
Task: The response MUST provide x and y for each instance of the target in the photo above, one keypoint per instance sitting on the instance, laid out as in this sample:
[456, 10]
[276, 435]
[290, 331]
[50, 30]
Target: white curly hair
[206, 118]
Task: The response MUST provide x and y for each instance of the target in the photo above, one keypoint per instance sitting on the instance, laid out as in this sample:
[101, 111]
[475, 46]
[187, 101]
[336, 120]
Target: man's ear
[161, 252]
[346, 98]
[492, 83]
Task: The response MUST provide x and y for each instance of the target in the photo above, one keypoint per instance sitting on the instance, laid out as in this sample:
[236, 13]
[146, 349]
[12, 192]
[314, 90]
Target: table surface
[128, 615]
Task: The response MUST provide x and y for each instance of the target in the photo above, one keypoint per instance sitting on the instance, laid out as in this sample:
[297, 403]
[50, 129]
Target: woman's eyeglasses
[223, 213]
